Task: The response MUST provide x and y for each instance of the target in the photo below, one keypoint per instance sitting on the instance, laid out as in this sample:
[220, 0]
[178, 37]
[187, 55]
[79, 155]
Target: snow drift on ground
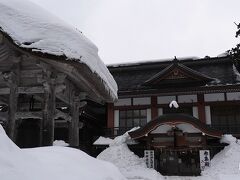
[30, 26]
[49, 163]
[224, 166]
[131, 166]
[103, 141]
[226, 163]
[60, 143]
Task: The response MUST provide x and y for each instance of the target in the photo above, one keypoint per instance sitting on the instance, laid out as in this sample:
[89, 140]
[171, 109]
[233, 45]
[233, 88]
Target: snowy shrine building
[205, 98]
[52, 82]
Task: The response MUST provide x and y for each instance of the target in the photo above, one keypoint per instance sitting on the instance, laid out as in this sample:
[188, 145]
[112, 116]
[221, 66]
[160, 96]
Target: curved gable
[174, 120]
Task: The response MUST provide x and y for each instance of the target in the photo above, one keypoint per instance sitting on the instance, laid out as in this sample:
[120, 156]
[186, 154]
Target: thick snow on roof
[32, 27]
[48, 163]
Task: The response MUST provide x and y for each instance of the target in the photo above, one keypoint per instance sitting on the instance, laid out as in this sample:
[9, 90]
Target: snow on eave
[142, 62]
[237, 74]
[33, 28]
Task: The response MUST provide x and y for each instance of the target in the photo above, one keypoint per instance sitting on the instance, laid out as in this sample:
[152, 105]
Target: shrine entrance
[177, 162]
[176, 140]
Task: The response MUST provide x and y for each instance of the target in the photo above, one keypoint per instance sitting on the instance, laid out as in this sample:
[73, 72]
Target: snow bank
[225, 164]
[131, 166]
[30, 26]
[103, 141]
[60, 143]
[48, 163]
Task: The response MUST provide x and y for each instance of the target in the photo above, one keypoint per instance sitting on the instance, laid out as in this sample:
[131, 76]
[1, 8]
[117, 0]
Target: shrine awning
[175, 120]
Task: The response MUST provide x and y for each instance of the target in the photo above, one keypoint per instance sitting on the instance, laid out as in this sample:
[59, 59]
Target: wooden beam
[201, 108]
[110, 115]
[154, 108]
[74, 125]
[23, 90]
[29, 114]
[11, 80]
[49, 110]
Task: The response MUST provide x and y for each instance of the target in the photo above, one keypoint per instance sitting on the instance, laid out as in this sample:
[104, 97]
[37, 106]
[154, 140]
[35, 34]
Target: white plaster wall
[116, 118]
[123, 102]
[149, 115]
[160, 111]
[184, 127]
[188, 128]
[187, 98]
[162, 129]
[165, 99]
[142, 101]
[195, 111]
[214, 97]
[208, 114]
[233, 96]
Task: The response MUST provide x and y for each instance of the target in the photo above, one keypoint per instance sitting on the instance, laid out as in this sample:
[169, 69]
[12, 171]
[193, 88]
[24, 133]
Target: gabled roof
[131, 77]
[35, 30]
[178, 74]
[174, 119]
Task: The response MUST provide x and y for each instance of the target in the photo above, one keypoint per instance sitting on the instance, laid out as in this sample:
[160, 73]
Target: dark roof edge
[150, 63]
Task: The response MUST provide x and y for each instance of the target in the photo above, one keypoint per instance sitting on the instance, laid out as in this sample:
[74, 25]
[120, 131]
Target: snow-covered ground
[47, 163]
[129, 164]
[224, 166]
[51, 163]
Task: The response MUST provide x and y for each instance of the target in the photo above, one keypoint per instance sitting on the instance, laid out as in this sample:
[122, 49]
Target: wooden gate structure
[45, 88]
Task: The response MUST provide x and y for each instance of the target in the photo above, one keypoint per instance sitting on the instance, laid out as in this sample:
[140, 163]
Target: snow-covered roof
[32, 27]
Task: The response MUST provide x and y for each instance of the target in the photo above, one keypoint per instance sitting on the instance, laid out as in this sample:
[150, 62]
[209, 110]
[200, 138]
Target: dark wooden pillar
[154, 109]
[201, 108]
[13, 97]
[74, 124]
[110, 115]
[11, 80]
[48, 112]
[77, 103]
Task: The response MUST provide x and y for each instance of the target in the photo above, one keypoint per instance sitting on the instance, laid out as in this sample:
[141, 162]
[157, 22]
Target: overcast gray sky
[134, 30]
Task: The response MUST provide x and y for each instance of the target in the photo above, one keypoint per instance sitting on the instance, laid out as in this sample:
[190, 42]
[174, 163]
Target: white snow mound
[130, 165]
[48, 163]
[32, 27]
[226, 163]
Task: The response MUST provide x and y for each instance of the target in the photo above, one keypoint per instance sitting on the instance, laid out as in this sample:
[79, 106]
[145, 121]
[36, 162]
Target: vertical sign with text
[204, 159]
[149, 157]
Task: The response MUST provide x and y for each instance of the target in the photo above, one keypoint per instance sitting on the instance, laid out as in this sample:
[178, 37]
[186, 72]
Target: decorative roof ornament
[175, 60]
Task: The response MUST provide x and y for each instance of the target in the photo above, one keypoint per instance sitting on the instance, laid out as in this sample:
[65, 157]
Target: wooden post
[12, 81]
[48, 111]
[13, 97]
[154, 109]
[74, 124]
[110, 115]
[201, 108]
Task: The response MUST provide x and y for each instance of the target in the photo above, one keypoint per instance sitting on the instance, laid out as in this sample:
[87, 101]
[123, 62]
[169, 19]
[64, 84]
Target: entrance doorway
[28, 133]
[178, 162]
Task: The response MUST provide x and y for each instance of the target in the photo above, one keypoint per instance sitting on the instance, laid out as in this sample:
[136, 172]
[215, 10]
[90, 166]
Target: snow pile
[60, 143]
[103, 141]
[131, 166]
[48, 163]
[31, 27]
[225, 164]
